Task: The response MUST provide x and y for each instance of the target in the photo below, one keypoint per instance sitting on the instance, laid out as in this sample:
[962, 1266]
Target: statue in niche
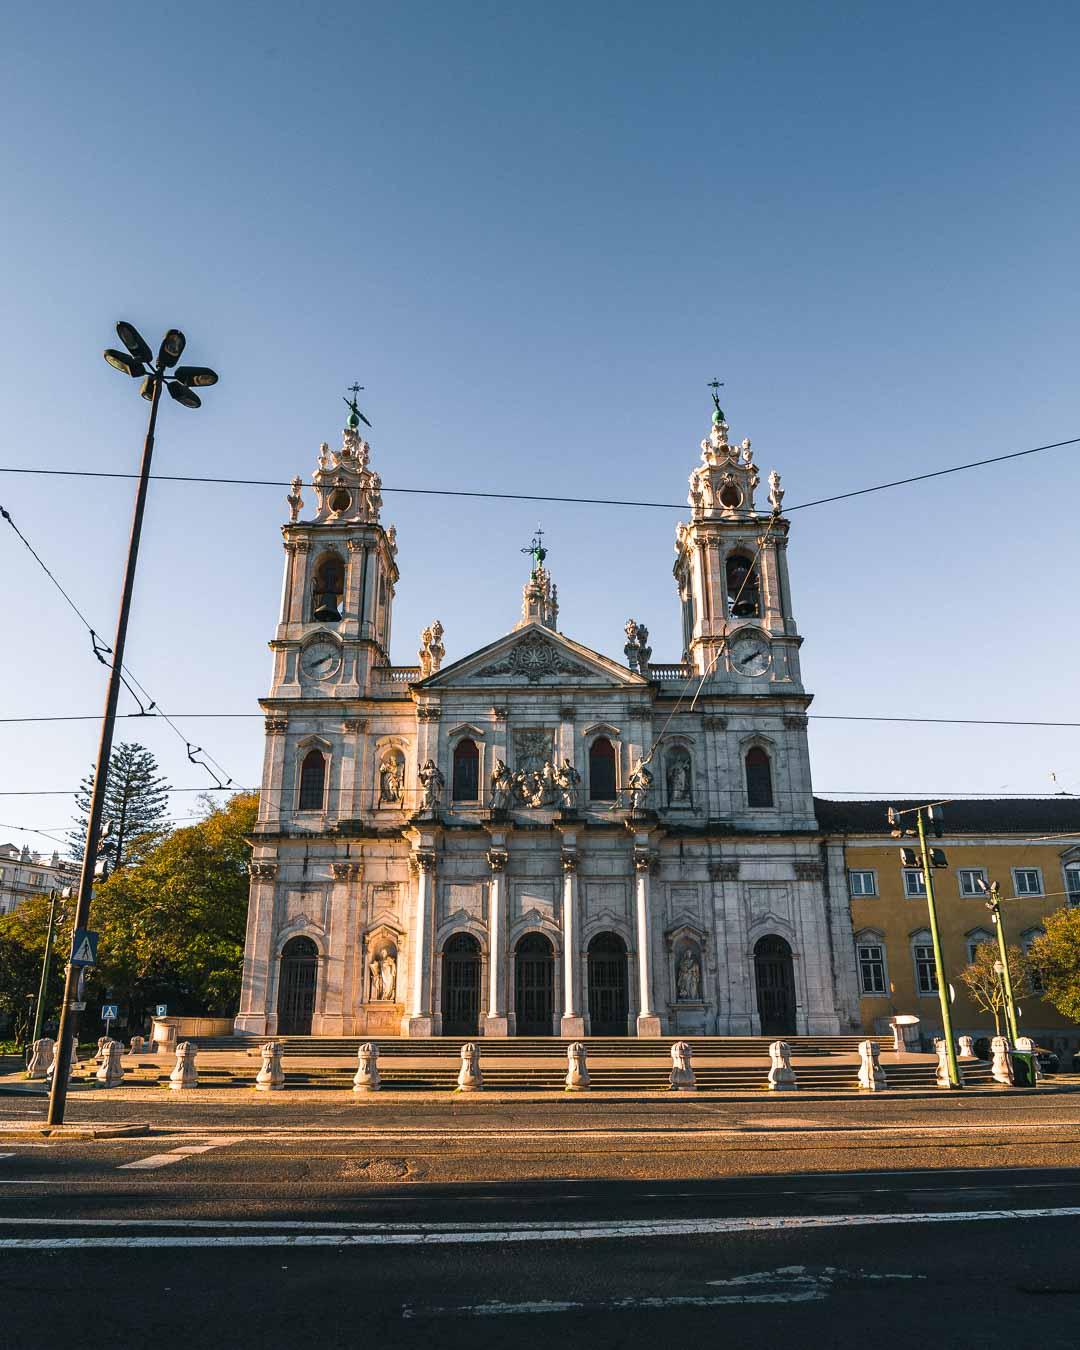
[640, 785]
[502, 786]
[569, 781]
[546, 789]
[678, 778]
[432, 782]
[382, 976]
[688, 977]
[391, 779]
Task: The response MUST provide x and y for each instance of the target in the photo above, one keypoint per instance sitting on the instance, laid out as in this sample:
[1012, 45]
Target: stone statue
[390, 780]
[100, 1055]
[631, 649]
[547, 788]
[374, 979]
[776, 492]
[678, 778]
[138, 1045]
[435, 645]
[644, 650]
[367, 1077]
[271, 1075]
[521, 786]
[577, 1069]
[387, 975]
[682, 1071]
[470, 1079]
[967, 1047]
[688, 977]
[569, 781]
[502, 787]
[432, 782]
[781, 1074]
[424, 654]
[295, 500]
[1001, 1069]
[640, 785]
[41, 1054]
[871, 1074]
[184, 1074]
[111, 1072]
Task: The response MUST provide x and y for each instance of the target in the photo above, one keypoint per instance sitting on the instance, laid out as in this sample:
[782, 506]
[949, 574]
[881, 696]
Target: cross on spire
[537, 549]
[718, 412]
[355, 415]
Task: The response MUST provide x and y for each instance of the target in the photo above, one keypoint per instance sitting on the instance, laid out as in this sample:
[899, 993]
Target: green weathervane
[537, 549]
[355, 415]
[718, 412]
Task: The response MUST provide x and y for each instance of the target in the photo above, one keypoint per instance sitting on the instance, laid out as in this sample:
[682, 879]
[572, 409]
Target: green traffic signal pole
[39, 1013]
[939, 966]
[1006, 976]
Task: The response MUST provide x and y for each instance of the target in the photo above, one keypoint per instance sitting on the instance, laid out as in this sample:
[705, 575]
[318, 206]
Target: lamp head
[134, 341]
[171, 349]
[121, 361]
[182, 394]
[195, 377]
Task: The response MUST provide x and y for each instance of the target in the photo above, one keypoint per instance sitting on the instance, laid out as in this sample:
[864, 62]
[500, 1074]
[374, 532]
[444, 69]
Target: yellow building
[1031, 847]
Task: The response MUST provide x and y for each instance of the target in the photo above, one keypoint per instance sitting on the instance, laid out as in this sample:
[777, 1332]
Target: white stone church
[540, 839]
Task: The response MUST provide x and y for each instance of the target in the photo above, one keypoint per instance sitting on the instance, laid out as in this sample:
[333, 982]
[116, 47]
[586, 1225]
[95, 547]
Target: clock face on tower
[320, 659]
[750, 655]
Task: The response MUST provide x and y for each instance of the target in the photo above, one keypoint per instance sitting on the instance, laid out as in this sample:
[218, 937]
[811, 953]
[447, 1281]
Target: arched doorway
[296, 987]
[774, 976]
[534, 985]
[609, 1006]
[461, 986]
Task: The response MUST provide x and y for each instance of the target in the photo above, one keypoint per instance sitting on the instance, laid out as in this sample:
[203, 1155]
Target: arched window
[602, 770]
[759, 789]
[742, 587]
[466, 771]
[312, 781]
[328, 590]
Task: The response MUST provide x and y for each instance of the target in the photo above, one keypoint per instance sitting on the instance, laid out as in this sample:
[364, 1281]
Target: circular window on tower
[340, 500]
[730, 496]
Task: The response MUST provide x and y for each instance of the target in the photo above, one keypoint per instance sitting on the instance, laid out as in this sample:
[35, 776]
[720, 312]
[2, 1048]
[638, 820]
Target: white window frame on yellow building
[862, 872]
[975, 872]
[914, 873]
[869, 939]
[1021, 892]
[922, 941]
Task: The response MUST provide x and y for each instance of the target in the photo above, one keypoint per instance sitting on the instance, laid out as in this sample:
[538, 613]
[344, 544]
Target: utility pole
[137, 362]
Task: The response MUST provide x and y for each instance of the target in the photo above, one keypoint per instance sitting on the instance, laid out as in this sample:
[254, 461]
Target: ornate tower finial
[537, 549]
[718, 412]
[355, 415]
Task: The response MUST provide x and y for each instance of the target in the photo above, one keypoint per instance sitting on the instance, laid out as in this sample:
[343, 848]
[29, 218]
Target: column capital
[646, 860]
[429, 713]
[347, 871]
[570, 860]
[500, 713]
[275, 724]
[724, 871]
[497, 859]
[422, 860]
[355, 724]
[263, 871]
[355, 545]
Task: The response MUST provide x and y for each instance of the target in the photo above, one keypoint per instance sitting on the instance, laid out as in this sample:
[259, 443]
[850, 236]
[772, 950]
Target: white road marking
[7, 1155]
[156, 1160]
[412, 1235]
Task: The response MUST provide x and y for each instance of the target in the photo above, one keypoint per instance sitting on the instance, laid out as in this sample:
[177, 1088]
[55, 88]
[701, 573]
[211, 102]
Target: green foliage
[22, 947]
[1056, 955]
[136, 802]
[172, 924]
[984, 986]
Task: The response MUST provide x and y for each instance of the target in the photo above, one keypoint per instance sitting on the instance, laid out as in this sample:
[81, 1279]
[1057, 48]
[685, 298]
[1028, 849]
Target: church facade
[541, 839]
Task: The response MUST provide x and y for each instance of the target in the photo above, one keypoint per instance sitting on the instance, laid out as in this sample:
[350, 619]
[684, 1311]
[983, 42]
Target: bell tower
[731, 573]
[340, 574]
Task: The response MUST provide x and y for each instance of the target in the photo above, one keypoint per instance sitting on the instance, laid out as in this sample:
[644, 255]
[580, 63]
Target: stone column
[648, 1023]
[272, 805]
[299, 581]
[419, 1021]
[353, 770]
[573, 1021]
[496, 1023]
[256, 983]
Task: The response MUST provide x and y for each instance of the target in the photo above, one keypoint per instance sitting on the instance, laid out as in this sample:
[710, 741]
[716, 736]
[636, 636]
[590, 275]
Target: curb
[74, 1131]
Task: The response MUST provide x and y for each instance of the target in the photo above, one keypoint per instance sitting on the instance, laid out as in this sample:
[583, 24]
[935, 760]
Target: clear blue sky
[534, 233]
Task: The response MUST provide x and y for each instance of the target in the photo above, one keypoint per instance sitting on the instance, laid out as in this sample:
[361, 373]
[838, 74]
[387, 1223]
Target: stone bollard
[184, 1074]
[1027, 1046]
[111, 1072]
[102, 1042]
[941, 1072]
[577, 1068]
[138, 1045]
[470, 1079]
[781, 1075]
[871, 1074]
[682, 1071]
[1001, 1070]
[271, 1075]
[56, 1056]
[41, 1055]
[898, 1044]
[367, 1069]
[967, 1047]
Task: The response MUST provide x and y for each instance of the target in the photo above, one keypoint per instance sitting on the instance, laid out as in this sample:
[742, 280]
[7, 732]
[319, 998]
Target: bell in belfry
[326, 607]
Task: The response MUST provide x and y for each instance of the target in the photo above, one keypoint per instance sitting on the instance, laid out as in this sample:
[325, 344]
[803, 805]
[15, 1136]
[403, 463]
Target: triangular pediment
[537, 657]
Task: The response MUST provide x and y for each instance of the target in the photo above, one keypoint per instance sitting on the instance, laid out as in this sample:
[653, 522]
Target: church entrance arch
[296, 986]
[461, 986]
[609, 1006]
[534, 985]
[774, 975]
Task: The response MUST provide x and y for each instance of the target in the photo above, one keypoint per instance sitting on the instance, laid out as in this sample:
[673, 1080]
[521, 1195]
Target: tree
[984, 984]
[136, 800]
[1056, 956]
[22, 948]
[172, 923]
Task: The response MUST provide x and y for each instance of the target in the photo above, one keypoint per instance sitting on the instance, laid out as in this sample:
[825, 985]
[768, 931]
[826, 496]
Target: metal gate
[296, 988]
[608, 1001]
[774, 975]
[461, 986]
[534, 986]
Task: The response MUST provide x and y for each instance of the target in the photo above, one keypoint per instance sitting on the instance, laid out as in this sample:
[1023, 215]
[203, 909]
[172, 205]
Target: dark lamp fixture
[172, 348]
[147, 389]
[183, 394]
[127, 364]
[195, 377]
[134, 341]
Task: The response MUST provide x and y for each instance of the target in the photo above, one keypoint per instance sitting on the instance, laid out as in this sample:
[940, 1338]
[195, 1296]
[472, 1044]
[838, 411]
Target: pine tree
[136, 801]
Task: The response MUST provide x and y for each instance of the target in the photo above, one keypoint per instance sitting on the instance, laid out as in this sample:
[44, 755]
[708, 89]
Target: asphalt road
[942, 1222]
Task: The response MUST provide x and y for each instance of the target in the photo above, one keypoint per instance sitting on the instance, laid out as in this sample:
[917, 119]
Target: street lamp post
[1002, 964]
[137, 361]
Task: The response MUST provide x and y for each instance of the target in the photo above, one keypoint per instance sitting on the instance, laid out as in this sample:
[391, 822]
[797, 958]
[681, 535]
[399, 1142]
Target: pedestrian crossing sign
[84, 947]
